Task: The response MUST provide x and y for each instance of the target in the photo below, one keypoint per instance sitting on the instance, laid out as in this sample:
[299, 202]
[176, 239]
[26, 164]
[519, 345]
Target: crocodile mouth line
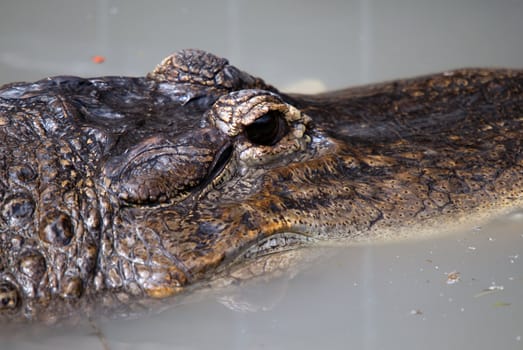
[277, 243]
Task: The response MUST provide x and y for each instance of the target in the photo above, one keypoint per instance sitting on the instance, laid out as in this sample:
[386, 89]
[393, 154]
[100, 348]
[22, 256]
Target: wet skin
[119, 188]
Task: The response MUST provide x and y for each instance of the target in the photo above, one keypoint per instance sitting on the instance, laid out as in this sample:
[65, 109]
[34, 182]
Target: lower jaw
[279, 242]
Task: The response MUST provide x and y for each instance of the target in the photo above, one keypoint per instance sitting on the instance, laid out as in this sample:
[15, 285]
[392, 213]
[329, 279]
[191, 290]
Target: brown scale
[116, 192]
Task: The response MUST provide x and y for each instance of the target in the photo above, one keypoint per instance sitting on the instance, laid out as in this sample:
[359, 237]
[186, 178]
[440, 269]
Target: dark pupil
[267, 130]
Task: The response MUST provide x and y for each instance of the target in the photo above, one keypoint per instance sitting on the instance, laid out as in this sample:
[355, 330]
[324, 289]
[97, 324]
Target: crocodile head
[141, 186]
[119, 187]
[206, 182]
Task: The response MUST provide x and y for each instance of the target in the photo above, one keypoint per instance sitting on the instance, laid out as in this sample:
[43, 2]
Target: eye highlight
[268, 129]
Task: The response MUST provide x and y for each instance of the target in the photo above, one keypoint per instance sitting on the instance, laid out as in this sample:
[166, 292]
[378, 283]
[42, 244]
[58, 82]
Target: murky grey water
[393, 296]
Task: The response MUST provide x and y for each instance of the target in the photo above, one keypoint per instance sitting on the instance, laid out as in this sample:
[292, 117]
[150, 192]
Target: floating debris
[513, 258]
[491, 289]
[416, 312]
[495, 287]
[453, 277]
[98, 59]
[471, 248]
[501, 304]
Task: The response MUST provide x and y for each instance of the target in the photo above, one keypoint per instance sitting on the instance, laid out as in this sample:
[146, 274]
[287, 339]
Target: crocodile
[136, 188]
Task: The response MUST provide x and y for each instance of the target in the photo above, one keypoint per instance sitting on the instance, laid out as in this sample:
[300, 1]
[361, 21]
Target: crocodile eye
[267, 130]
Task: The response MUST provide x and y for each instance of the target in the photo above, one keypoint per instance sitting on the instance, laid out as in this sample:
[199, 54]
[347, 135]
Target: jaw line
[273, 244]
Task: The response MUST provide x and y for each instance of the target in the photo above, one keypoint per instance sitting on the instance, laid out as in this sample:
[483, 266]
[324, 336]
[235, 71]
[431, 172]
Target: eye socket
[268, 129]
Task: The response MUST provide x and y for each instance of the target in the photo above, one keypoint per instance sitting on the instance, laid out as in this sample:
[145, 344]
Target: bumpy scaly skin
[116, 189]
